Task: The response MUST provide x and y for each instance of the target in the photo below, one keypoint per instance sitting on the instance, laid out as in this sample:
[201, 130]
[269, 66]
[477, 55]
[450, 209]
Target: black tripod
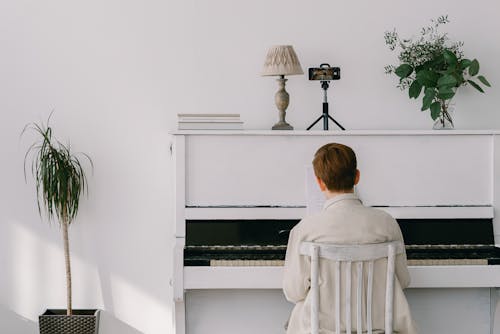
[325, 116]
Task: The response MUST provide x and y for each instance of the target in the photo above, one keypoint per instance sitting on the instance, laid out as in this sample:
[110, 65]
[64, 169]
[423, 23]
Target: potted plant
[60, 180]
[434, 66]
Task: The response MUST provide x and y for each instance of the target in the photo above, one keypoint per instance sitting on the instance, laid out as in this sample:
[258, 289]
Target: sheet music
[314, 197]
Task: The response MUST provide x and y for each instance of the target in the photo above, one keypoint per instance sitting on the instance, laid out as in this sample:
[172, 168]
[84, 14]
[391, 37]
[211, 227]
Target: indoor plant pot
[55, 321]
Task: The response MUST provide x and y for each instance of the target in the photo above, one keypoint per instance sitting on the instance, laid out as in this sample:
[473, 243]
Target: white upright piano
[250, 186]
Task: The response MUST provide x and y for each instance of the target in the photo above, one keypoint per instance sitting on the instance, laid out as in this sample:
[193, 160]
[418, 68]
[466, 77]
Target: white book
[210, 125]
[210, 121]
[201, 120]
[209, 117]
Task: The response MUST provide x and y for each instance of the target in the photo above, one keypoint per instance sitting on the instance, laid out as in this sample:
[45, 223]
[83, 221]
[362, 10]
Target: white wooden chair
[359, 255]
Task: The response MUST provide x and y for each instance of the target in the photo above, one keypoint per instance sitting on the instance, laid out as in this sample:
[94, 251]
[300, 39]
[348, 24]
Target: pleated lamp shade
[281, 60]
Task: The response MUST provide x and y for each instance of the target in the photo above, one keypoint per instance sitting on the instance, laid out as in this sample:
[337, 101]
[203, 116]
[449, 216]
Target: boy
[344, 220]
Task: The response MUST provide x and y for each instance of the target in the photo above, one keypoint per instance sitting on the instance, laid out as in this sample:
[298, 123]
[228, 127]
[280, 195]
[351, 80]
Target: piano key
[246, 263]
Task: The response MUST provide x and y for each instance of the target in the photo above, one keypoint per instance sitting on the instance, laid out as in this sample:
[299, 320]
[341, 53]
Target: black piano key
[495, 261]
[196, 262]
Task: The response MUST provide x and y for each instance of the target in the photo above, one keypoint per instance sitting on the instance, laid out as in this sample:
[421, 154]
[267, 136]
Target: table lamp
[281, 60]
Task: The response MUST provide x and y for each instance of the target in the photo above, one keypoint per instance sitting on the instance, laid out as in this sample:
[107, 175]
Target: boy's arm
[296, 271]
[402, 271]
[401, 264]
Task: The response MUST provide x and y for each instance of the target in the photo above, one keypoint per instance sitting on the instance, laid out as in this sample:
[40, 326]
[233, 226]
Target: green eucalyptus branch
[434, 66]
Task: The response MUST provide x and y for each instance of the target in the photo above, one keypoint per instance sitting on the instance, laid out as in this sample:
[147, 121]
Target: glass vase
[445, 118]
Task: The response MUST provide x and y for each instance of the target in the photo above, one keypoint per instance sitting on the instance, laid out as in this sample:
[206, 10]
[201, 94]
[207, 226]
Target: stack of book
[209, 122]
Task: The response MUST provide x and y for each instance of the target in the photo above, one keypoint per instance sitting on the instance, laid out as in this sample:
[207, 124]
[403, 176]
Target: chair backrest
[359, 254]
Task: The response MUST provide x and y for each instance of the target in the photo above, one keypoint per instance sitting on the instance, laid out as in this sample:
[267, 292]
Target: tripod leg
[325, 114]
[340, 126]
[316, 121]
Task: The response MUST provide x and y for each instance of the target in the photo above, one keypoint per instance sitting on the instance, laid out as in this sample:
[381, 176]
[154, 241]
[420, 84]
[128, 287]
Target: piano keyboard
[449, 262]
[279, 263]
[274, 255]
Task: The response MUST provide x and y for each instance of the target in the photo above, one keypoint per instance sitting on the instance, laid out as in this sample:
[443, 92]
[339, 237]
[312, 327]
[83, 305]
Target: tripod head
[325, 85]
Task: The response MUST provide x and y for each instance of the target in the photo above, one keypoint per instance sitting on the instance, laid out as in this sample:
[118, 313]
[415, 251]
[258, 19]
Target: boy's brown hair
[335, 164]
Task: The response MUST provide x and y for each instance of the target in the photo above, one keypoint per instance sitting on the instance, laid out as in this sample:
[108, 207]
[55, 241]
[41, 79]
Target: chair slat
[389, 290]
[337, 297]
[348, 297]
[359, 300]
[369, 297]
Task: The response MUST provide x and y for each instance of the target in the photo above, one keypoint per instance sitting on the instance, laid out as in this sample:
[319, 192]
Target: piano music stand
[325, 116]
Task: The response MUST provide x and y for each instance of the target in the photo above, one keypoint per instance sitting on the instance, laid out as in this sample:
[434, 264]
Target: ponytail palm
[60, 180]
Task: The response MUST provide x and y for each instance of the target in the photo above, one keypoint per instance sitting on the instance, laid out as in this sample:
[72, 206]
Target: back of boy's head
[335, 164]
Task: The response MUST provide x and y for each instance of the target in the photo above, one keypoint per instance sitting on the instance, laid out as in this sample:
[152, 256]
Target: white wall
[116, 73]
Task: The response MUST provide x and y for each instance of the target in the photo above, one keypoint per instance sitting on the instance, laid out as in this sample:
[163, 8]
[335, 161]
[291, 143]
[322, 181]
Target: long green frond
[59, 175]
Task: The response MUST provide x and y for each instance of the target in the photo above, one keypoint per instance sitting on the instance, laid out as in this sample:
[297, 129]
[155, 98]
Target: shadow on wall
[108, 324]
[25, 253]
[13, 323]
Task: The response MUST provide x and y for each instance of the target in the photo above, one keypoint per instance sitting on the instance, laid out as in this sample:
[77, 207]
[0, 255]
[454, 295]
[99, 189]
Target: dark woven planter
[57, 322]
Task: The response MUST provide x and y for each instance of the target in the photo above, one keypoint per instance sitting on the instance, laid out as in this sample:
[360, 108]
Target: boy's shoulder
[307, 221]
[311, 219]
[381, 217]
[322, 217]
[379, 213]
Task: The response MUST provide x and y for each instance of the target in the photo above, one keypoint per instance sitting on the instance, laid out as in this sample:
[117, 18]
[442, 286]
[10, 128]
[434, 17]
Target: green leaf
[451, 70]
[475, 85]
[403, 71]
[420, 68]
[460, 79]
[436, 62]
[445, 93]
[464, 63]
[474, 67]
[428, 78]
[484, 81]
[59, 177]
[435, 110]
[430, 93]
[415, 89]
[450, 57]
[447, 80]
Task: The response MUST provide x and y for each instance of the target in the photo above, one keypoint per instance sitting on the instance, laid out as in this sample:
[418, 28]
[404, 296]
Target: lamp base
[282, 99]
[282, 126]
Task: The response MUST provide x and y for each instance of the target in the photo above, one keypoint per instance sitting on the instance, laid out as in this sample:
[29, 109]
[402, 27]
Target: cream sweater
[344, 220]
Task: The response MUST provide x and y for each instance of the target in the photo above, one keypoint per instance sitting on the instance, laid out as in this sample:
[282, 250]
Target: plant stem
[65, 224]
[445, 115]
